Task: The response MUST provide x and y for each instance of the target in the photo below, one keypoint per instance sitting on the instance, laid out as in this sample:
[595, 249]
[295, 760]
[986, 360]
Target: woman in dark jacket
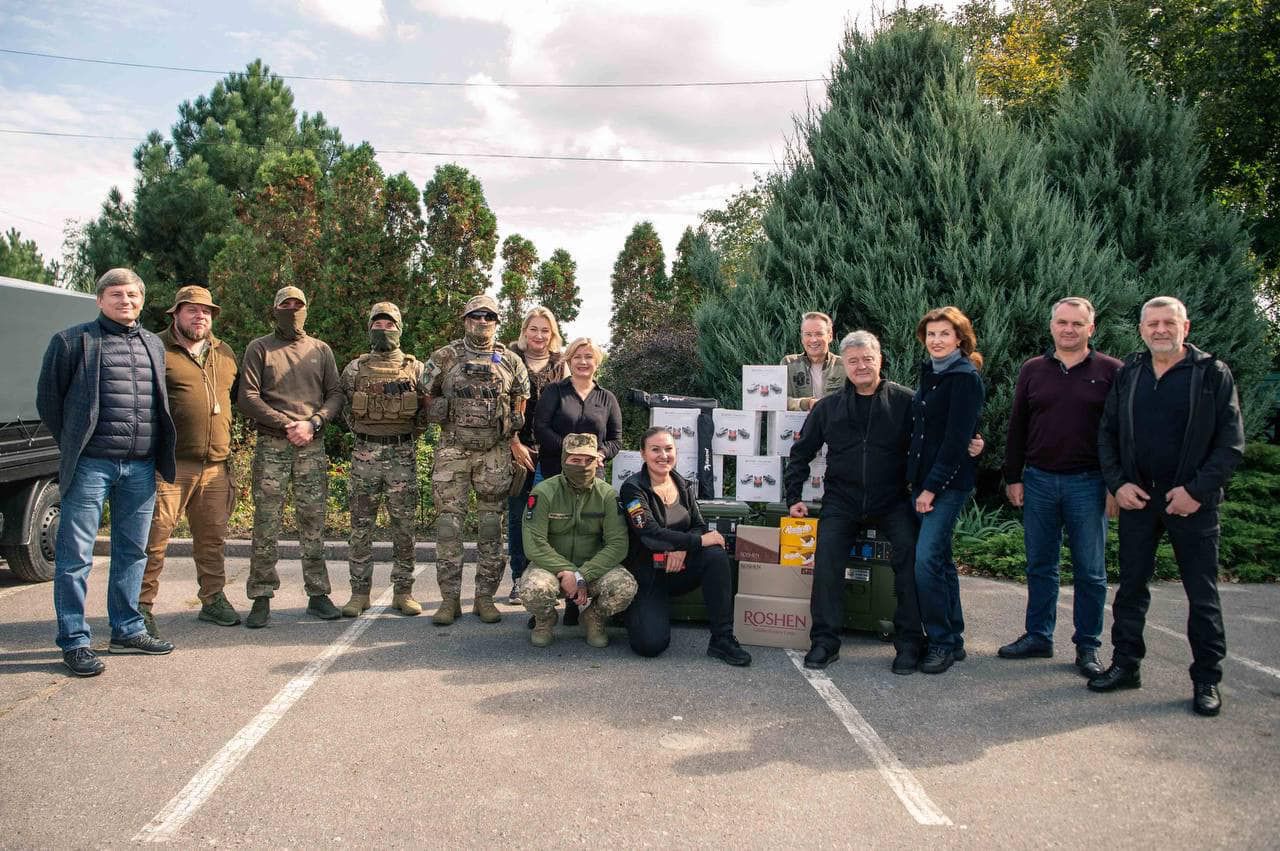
[945, 412]
[671, 553]
[539, 347]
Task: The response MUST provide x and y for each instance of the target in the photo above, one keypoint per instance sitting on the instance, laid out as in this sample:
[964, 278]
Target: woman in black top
[672, 553]
[577, 405]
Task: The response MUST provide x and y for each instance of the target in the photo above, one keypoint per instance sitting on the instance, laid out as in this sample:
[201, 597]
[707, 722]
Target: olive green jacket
[800, 382]
[566, 529]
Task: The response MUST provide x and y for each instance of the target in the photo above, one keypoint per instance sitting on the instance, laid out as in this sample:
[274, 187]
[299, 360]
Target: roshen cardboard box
[625, 464]
[764, 388]
[759, 478]
[757, 543]
[814, 484]
[736, 432]
[771, 621]
[681, 422]
[774, 580]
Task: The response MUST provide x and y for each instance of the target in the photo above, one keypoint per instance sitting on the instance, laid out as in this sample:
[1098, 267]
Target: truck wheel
[33, 561]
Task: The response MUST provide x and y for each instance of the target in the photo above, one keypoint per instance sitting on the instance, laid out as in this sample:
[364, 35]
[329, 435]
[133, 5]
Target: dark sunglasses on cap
[483, 315]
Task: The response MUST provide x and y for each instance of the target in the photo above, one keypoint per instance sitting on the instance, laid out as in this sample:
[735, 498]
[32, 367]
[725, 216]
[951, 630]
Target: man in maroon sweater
[1052, 473]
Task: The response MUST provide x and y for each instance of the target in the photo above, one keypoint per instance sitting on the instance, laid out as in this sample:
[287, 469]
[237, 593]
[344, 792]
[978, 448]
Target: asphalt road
[389, 731]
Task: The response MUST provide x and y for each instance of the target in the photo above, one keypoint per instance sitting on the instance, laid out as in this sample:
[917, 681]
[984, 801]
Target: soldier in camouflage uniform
[478, 391]
[382, 390]
[575, 539]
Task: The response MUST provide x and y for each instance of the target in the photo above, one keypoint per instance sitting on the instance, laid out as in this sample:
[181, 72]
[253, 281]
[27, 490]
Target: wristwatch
[317, 422]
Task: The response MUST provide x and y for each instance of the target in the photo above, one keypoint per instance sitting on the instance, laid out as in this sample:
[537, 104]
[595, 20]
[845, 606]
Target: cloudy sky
[585, 207]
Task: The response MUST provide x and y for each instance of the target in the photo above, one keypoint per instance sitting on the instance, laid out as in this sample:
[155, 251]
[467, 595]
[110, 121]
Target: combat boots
[450, 610]
[541, 636]
[357, 604]
[259, 614]
[485, 609]
[593, 622]
[405, 604]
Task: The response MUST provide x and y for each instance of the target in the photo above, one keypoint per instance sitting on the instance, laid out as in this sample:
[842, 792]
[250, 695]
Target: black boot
[1206, 700]
[1116, 677]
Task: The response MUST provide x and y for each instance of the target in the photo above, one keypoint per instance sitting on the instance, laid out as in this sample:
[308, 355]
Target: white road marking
[186, 803]
[895, 774]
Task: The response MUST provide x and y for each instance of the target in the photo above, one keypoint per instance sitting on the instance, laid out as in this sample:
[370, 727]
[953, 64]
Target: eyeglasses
[483, 316]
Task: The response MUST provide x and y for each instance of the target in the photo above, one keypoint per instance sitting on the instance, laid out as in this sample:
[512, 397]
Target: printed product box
[792, 557]
[757, 543]
[625, 464]
[736, 432]
[813, 484]
[784, 428]
[681, 422]
[764, 388]
[717, 475]
[774, 580]
[759, 478]
[687, 461]
[800, 531]
[771, 621]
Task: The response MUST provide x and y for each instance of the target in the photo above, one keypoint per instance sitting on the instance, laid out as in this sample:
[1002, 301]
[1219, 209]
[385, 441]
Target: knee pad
[448, 527]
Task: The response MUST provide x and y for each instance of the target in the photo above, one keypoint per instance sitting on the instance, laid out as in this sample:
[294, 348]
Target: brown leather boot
[357, 604]
[485, 609]
[405, 604]
[449, 611]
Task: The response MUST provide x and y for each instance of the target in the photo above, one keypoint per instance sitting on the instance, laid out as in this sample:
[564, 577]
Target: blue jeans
[515, 524]
[130, 488]
[1078, 503]
[937, 583]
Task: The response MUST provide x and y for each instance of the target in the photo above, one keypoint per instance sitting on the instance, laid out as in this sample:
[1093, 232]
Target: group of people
[144, 426]
[1153, 439]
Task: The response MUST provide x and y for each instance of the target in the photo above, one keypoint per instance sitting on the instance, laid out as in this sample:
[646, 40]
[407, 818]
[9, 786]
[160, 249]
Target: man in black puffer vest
[102, 396]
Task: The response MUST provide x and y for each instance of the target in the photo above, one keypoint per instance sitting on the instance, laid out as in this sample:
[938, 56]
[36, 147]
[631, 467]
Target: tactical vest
[385, 400]
[478, 387]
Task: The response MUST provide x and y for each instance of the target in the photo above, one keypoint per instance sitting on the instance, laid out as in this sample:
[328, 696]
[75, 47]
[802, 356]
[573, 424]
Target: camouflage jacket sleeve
[520, 388]
[347, 381]
[615, 538]
[537, 548]
[433, 408]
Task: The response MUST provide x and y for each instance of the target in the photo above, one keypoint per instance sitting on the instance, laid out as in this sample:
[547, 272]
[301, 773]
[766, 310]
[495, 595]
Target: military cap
[480, 302]
[387, 309]
[580, 444]
[192, 294]
[289, 292]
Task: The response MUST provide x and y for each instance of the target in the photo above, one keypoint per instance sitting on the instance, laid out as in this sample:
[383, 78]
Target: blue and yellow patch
[635, 513]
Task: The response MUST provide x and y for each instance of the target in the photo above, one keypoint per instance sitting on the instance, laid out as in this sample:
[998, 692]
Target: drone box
[764, 388]
[625, 465]
[774, 580]
[756, 543]
[759, 478]
[784, 428]
[687, 461]
[736, 432]
[681, 422]
[814, 482]
[771, 621]
[717, 474]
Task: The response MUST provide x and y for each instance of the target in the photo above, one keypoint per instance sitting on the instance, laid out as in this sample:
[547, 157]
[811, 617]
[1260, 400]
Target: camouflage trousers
[613, 592]
[378, 468]
[276, 464]
[456, 473]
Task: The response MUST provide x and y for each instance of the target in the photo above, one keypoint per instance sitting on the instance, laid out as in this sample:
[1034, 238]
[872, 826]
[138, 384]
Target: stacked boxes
[764, 388]
[736, 432]
[625, 465]
[798, 538]
[771, 608]
[784, 428]
[759, 478]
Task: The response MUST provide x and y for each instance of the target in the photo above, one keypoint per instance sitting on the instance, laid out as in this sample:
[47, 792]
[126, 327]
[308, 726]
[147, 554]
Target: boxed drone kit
[681, 422]
[784, 428]
[625, 464]
[764, 388]
[759, 478]
[814, 482]
[736, 432]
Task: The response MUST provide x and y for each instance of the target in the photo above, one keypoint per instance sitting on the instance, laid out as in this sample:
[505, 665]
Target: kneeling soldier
[381, 390]
[575, 540]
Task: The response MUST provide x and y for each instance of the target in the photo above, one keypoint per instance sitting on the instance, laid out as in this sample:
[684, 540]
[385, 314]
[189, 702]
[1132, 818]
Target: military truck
[29, 315]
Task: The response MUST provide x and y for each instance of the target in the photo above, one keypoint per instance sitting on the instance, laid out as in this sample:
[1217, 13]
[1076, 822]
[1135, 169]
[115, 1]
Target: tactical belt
[384, 439]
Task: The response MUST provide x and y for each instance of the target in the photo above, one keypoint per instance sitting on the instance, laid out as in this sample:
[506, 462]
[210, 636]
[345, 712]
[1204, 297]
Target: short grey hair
[1179, 309]
[860, 340]
[1075, 301]
[120, 277]
[815, 314]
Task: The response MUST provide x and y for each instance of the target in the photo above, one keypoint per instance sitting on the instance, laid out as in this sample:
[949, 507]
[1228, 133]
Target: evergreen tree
[907, 193]
[641, 293]
[557, 286]
[519, 256]
[1128, 156]
[736, 231]
[20, 258]
[460, 240]
[685, 286]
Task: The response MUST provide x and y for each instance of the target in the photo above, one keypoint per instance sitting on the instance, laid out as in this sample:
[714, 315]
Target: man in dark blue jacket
[1171, 435]
[102, 395]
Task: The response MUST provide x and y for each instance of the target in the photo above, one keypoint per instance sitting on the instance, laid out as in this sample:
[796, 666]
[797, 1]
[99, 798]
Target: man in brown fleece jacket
[289, 389]
[199, 371]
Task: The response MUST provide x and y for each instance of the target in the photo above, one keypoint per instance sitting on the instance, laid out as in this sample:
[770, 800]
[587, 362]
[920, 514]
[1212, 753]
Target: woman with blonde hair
[539, 346]
[945, 413]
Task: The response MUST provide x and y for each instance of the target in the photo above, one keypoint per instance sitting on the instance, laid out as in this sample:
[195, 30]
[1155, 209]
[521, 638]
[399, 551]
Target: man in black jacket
[866, 427]
[1170, 437]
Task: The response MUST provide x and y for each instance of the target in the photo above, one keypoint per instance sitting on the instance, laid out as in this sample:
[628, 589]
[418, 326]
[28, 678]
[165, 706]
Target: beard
[192, 334]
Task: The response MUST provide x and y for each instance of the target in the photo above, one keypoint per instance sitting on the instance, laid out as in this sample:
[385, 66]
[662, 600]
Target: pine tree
[907, 193]
[557, 286]
[1128, 156]
[641, 293]
[460, 239]
[685, 285]
[519, 256]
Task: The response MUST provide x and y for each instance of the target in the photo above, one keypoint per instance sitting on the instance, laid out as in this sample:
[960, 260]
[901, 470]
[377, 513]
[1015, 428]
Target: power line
[444, 154]
[457, 84]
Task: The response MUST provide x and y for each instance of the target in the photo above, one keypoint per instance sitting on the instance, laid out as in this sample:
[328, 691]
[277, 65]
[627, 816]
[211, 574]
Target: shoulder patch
[529, 506]
[636, 514]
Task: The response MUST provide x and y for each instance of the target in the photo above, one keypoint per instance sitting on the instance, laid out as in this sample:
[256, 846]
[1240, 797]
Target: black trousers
[838, 530]
[649, 615]
[1195, 546]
